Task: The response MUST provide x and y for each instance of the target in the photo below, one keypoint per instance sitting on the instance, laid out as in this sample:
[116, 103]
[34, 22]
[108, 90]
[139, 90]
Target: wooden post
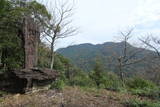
[31, 37]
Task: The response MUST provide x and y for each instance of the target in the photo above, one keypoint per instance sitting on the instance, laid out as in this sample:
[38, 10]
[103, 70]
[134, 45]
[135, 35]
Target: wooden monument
[24, 79]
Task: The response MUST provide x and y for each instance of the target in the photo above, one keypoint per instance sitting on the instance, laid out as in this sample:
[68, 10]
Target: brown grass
[69, 97]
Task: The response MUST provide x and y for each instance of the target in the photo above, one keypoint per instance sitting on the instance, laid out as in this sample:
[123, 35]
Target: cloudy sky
[101, 20]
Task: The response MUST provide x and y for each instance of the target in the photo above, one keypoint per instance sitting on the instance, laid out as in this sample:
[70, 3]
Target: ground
[68, 97]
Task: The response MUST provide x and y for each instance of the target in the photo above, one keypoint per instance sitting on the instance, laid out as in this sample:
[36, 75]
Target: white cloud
[101, 20]
[148, 11]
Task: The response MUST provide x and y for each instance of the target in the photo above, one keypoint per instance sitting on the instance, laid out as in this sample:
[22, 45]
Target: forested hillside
[84, 55]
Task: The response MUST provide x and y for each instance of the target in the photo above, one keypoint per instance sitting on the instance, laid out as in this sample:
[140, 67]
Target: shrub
[140, 103]
[58, 84]
[83, 81]
[139, 83]
[143, 87]
[111, 81]
[150, 93]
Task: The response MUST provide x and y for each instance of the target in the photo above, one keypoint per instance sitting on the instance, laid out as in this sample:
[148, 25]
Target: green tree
[10, 44]
[12, 14]
[97, 74]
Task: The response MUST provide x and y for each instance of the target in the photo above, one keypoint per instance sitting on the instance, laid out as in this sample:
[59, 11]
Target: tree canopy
[12, 15]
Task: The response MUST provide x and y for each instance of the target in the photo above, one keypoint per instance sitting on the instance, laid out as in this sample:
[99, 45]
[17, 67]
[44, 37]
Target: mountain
[84, 55]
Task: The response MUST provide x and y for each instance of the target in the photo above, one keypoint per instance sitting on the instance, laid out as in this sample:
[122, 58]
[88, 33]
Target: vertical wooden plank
[31, 38]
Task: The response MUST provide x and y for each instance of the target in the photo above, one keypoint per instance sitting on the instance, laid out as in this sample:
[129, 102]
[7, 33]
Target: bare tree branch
[148, 43]
[60, 25]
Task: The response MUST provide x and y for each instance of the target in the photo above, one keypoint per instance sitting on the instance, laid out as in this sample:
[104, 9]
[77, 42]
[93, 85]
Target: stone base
[19, 81]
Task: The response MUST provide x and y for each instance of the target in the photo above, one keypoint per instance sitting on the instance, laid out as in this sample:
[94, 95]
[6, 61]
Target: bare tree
[153, 69]
[129, 54]
[152, 43]
[60, 25]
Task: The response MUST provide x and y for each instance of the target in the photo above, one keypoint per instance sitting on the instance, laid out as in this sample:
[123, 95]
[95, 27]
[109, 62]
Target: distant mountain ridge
[84, 55]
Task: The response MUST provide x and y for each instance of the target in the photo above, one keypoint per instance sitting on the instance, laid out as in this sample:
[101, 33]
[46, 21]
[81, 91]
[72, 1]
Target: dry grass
[69, 97]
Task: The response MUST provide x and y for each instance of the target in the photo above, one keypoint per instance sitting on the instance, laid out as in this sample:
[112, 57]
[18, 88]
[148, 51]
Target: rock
[20, 81]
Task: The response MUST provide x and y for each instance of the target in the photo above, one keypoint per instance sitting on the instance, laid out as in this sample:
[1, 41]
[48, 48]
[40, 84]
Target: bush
[111, 82]
[139, 83]
[143, 87]
[82, 80]
[139, 103]
[58, 84]
[150, 93]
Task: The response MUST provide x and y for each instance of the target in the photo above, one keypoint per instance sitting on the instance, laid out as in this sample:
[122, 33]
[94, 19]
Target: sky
[101, 21]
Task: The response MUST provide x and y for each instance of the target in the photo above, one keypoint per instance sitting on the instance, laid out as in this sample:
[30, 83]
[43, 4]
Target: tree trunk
[52, 55]
[37, 46]
[121, 74]
[68, 72]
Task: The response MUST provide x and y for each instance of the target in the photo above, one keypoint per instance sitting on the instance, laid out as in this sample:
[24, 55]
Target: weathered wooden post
[31, 37]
